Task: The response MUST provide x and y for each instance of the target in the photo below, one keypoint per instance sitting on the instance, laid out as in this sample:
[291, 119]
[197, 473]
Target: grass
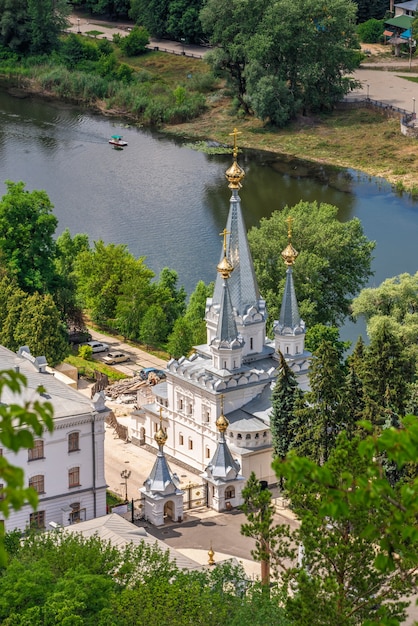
[87, 368]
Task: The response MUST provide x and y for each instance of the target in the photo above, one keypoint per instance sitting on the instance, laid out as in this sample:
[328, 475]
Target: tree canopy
[334, 261]
[283, 57]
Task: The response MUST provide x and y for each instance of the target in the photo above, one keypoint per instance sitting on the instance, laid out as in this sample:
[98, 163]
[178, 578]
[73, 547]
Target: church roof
[222, 465]
[242, 283]
[161, 479]
[289, 312]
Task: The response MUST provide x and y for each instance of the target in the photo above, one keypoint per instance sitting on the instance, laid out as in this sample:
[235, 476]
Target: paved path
[386, 86]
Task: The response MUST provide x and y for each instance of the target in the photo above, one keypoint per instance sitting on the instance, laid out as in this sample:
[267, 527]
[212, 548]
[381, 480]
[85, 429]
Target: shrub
[371, 31]
[85, 352]
[136, 42]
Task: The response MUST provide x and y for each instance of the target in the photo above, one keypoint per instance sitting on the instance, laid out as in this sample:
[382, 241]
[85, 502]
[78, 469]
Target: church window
[207, 415]
[251, 343]
[265, 434]
[239, 436]
[287, 349]
[248, 436]
[235, 364]
[297, 349]
[231, 435]
[207, 453]
[190, 409]
[224, 365]
[190, 444]
[229, 493]
[180, 404]
[257, 436]
[181, 440]
[213, 490]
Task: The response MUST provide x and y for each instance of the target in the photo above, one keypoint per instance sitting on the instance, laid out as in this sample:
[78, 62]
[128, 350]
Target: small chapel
[217, 401]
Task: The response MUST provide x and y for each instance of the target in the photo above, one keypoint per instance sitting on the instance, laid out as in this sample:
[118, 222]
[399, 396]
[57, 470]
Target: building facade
[236, 369]
[65, 467]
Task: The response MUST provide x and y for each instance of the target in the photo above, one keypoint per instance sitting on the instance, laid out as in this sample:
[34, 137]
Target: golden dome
[161, 434]
[235, 173]
[289, 254]
[225, 268]
[222, 423]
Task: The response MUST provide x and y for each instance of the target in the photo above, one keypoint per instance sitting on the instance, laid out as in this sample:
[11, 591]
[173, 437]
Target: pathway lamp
[78, 26]
[125, 475]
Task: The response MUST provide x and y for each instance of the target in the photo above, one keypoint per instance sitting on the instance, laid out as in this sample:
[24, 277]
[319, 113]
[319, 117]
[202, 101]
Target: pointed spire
[289, 313]
[243, 284]
[222, 465]
[161, 478]
[226, 332]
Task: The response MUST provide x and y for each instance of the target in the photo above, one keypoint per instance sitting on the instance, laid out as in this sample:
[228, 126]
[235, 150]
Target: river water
[168, 202]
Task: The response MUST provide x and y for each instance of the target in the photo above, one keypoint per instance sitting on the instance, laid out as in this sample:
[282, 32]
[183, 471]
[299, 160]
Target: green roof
[402, 21]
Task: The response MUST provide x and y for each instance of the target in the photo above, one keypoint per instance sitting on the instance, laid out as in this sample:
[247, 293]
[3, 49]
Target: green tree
[283, 399]
[371, 31]
[152, 15]
[195, 311]
[334, 261]
[40, 327]
[342, 580]
[27, 247]
[183, 20]
[369, 9]
[65, 292]
[19, 423]
[259, 511]
[180, 340]
[136, 42]
[169, 296]
[102, 276]
[154, 326]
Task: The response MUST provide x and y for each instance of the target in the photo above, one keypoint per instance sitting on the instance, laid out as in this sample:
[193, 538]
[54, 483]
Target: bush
[136, 42]
[85, 352]
[371, 31]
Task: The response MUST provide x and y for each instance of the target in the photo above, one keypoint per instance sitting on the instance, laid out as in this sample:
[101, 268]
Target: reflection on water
[169, 203]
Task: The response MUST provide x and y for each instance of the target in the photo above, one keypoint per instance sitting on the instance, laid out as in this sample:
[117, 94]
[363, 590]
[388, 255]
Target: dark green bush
[371, 31]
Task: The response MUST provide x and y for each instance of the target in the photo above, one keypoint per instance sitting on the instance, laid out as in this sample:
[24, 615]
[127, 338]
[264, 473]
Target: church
[234, 372]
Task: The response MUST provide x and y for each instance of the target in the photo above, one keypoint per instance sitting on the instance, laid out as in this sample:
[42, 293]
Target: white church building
[235, 371]
[66, 466]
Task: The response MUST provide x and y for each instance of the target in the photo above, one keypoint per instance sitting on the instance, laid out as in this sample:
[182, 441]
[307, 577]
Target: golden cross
[289, 227]
[222, 403]
[234, 134]
[161, 416]
[223, 234]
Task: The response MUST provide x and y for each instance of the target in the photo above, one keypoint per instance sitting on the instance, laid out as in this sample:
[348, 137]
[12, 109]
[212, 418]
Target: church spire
[161, 478]
[290, 329]
[222, 466]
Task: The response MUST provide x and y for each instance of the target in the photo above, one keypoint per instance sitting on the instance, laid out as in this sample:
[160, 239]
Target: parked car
[97, 346]
[150, 370]
[80, 335]
[115, 357]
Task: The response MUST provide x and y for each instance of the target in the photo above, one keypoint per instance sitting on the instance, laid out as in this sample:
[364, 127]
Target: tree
[371, 9]
[40, 327]
[283, 400]
[183, 20]
[195, 312]
[371, 31]
[297, 53]
[180, 340]
[27, 247]
[342, 579]
[152, 15]
[259, 511]
[19, 422]
[334, 261]
[136, 42]
[65, 292]
[171, 298]
[103, 274]
[154, 326]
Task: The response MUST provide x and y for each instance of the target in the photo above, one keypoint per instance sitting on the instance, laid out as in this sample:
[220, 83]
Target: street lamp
[78, 26]
[125, 475]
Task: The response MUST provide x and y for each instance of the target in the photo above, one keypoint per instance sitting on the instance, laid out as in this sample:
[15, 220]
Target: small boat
[116, 140]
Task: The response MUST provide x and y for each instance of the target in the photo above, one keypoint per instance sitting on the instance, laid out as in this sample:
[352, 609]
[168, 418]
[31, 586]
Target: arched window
[38, 483]
[207, 453]
[190, 444]
[239, 436]
[248, 436]
[251, 343]
[181, 440]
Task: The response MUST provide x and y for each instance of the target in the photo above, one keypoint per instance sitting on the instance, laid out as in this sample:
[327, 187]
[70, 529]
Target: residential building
[65, 467]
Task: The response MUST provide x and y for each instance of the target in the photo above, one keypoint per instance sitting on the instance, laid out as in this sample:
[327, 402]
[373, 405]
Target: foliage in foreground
[67, 579]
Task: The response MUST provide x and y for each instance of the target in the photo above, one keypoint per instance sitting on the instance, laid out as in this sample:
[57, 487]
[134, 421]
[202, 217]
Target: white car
[97, 346]
[115, 357]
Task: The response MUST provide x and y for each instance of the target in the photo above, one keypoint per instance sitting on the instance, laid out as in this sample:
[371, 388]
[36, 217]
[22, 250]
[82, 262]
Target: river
[168, 202]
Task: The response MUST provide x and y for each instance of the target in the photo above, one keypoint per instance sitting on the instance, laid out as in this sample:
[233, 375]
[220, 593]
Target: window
[248, 436]
[207, 453]
[37, 452]
[1, 491]
[73, 442]
[239, 436]
[229, 493]
[181, 440]
[180, 404]
[77, 513]
[74, 477]
[257, 436]
[38, 483]
[37, 520]
[190, 444]
[251, 343]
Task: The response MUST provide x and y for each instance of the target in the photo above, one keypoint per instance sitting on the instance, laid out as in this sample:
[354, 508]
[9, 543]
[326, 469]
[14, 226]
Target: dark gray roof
[289, 312]
[161, 479]
[242, 283]
[222, 465]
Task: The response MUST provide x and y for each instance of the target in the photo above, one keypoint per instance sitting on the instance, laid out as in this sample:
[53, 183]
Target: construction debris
[130, 386]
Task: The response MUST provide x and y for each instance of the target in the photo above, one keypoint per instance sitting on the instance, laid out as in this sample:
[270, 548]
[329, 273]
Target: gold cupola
[222, 423]
[235, 173]
[161, 434]
[225, 267]
[289, 254]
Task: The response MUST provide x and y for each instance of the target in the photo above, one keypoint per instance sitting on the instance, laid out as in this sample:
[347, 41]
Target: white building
[237, 365]
[65, 467]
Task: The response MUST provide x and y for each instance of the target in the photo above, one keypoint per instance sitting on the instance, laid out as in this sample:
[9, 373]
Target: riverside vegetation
[182, 97]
